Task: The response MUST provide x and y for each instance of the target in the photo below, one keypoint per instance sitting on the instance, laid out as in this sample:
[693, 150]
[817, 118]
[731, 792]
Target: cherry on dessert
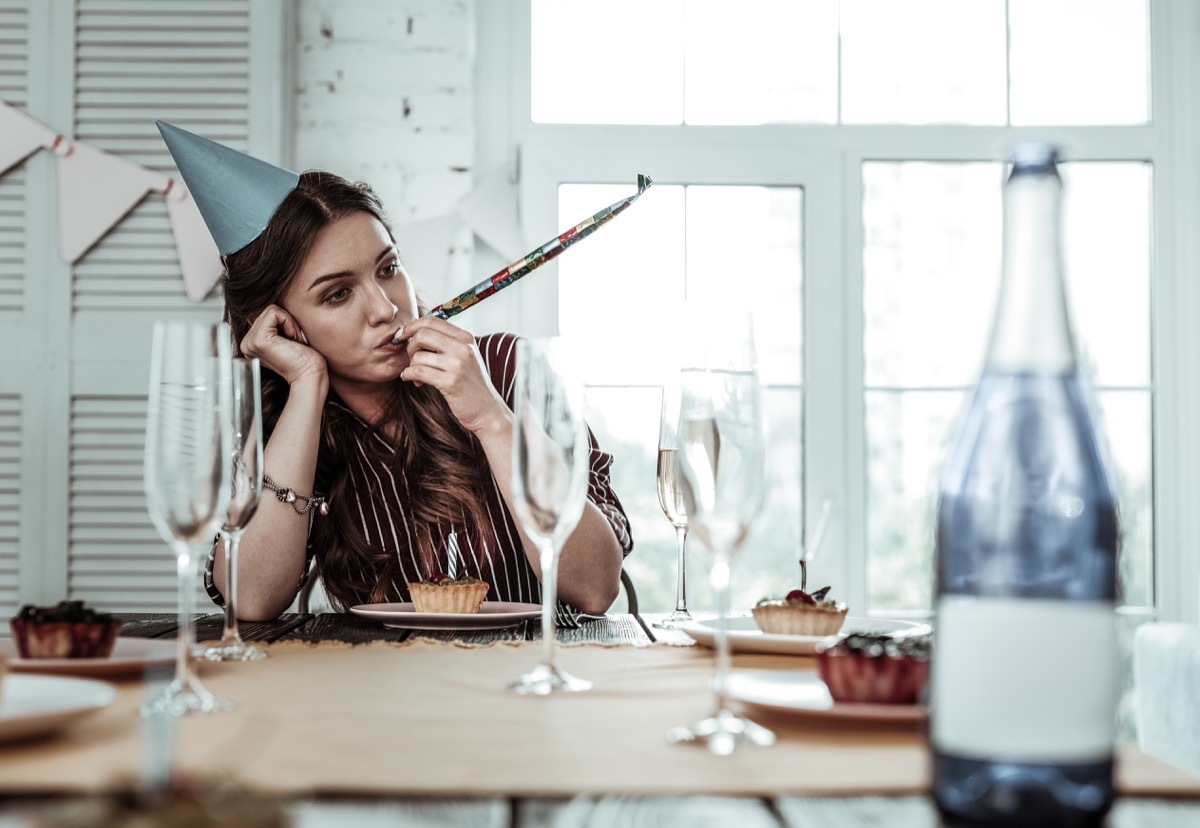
[799, 596]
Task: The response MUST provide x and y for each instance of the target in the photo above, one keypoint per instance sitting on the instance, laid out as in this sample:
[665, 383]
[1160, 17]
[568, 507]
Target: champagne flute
[187, 474]
[670, 498]
[551, 458]
[244, 494]
[722, 451]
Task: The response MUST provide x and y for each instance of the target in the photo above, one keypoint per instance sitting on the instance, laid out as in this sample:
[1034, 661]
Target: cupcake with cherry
[800, 613]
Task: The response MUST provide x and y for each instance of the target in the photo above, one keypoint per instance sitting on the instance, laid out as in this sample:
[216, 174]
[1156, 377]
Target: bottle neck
[1032, 329]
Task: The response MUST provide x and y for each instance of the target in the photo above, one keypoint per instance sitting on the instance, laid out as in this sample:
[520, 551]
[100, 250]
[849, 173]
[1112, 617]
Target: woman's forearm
[271, 553]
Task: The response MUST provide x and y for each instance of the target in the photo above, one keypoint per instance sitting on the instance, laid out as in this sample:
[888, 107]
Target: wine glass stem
[187, 634]
[231, 619]
[681, 580]
[719, 580]
[549, 561]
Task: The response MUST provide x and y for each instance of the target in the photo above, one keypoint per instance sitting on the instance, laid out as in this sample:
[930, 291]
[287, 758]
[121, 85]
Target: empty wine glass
[187, 474]
[551, 458]
[722, 452]
[246, 468]
[670, 498]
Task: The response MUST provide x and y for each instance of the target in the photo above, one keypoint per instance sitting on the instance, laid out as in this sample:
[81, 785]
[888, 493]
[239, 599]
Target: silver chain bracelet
[312, 503]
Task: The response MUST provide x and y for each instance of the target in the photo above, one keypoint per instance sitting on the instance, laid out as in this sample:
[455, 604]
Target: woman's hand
[279, 344]
[446, 357]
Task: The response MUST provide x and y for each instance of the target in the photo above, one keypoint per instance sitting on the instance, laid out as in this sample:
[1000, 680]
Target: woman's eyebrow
[342, 273]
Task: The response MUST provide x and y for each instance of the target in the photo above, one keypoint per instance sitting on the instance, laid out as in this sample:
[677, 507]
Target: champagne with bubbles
[669, 496]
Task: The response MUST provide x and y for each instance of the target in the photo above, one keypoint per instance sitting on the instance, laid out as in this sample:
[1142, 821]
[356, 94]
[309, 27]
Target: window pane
[931, 264]
[745, 242]
[620, 63]
[1124, 417]
[740, 241]
[926, 324]
[923, 62]
[1106, 240]
[1079, 61]
[773, 61]
[907, 434]
[620, 280]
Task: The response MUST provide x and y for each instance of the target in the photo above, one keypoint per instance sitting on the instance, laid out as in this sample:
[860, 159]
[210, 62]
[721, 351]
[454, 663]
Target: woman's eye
[337, 296]
[390, 269]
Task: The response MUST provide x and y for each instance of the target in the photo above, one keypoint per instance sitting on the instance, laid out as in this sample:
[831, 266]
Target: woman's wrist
[313, 387]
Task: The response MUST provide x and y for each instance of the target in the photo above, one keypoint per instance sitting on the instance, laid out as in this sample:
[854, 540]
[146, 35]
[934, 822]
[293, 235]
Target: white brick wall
[384, 94]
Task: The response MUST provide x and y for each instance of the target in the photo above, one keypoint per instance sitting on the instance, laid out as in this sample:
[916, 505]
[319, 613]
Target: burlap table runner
[435, 718]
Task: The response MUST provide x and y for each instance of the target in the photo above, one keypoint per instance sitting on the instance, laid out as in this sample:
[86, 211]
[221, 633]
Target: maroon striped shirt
[382, 494]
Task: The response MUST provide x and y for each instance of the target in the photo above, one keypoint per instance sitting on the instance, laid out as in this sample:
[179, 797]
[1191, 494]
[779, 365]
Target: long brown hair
[430, 448]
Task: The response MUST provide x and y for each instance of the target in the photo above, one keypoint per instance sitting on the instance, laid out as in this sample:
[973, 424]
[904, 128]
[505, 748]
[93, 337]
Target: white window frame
[827, 162]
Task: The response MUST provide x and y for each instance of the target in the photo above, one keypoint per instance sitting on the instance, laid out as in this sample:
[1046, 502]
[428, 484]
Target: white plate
[746, 637]
[801, 692]
[492, 615]
[36, 705]
[129, 657]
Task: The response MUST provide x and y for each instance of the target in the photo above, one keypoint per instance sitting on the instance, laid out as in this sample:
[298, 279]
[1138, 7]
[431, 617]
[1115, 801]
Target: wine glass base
[721, 733]
[674, 620]
[545, 680]
[178, 700]
[236, 650]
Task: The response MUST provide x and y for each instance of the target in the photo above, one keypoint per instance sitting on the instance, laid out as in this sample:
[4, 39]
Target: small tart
[459, 595]
[783, 617]
[66, 630]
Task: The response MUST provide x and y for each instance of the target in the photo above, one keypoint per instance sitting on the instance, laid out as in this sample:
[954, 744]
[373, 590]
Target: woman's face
[348, 297]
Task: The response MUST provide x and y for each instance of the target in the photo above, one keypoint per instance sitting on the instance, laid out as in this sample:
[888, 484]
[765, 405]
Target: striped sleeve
[500, 356]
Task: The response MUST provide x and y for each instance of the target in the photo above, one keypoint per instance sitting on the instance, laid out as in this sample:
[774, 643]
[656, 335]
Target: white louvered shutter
[14, 86]
[137, 61]
[73, 519]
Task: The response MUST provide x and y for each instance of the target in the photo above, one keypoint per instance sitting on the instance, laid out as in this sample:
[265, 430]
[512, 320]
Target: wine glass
[245, 490]
[722, 452]
[670, 498]
[187, 474]
[551, 458]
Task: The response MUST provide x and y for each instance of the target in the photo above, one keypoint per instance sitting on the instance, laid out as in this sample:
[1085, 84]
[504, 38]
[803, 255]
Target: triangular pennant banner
[95, 191]
[198, 255]
[20, 137]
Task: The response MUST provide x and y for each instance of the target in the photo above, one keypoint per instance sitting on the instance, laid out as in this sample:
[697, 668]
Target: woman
[409, 444]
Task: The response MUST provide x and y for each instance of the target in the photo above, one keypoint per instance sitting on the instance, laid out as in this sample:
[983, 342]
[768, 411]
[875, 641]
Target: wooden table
[612, 810]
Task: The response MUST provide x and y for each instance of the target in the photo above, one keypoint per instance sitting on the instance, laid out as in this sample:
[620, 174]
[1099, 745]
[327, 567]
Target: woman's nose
[382, 309]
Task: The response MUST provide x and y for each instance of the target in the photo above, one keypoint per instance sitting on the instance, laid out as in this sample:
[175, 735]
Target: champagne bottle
[1024, 684]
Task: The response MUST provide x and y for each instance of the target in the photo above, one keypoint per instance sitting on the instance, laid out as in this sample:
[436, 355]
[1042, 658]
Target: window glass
[695, 241]
[931, 267]
[761, 62]
[617, 63]
[931, 259]
[1079, 61]
[923, 62]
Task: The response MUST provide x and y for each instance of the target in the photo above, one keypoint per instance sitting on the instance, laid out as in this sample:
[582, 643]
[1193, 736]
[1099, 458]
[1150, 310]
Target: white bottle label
[1024, 680]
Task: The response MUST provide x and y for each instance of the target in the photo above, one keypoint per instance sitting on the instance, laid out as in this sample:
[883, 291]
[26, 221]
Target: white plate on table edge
[745, 636]
[802, 692]
[129, 656]
[492, 615]
[36, 705]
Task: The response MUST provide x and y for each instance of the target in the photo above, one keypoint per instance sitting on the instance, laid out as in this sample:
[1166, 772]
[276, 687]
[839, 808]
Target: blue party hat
[236, 194]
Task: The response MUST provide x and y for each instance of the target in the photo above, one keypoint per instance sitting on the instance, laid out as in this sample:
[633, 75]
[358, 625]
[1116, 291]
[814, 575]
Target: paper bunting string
[96, 190]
